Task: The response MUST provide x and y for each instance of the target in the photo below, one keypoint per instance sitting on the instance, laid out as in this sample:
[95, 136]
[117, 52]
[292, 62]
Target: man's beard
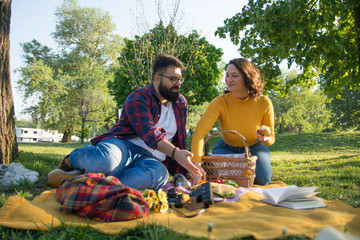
[167, 93]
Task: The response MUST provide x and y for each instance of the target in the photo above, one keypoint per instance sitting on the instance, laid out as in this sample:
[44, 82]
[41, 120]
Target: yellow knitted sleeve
[243, 116]
[205, 124]
[268, 120]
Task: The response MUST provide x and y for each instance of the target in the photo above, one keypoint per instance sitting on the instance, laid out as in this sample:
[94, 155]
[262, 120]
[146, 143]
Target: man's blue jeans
[132, 165]
[263, 169]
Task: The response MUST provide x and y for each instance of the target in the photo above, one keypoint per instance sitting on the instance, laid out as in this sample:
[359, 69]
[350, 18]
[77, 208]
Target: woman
[244, 109]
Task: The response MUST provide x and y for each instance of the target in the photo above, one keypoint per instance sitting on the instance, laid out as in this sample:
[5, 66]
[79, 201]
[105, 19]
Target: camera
[203, 195]
[200, 198]
[174, 199]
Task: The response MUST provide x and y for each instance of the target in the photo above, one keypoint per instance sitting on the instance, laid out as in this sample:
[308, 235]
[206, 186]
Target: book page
[300, 199]
[299, 192]
[308, 204]
[277, 194]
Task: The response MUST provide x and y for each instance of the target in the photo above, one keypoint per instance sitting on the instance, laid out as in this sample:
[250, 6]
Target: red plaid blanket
[103, 199]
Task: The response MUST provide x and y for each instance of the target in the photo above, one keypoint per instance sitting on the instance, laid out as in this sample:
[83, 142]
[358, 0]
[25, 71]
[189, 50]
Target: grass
[330, 161]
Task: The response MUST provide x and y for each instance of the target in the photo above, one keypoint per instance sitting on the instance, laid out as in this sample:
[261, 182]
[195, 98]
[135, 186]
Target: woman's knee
[263, 171]
[262, 179]
[263, 168]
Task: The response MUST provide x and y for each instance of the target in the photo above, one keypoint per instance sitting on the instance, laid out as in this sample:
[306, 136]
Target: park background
[36, 20]
[317, 140]
[305, 97]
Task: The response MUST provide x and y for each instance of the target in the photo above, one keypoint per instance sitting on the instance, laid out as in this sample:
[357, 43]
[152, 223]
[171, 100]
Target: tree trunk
[8, 144]
[82, 135]
[108, 123]
[66, 137]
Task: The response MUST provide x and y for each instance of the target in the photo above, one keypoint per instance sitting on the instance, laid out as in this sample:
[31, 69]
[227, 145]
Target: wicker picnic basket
[239, 169]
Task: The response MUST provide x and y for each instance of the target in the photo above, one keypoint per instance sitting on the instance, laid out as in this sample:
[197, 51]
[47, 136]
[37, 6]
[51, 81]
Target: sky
[36, 19]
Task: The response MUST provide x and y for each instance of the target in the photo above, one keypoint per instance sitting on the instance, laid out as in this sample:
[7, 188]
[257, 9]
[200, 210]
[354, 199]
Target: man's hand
[183, 157]
[195, 179]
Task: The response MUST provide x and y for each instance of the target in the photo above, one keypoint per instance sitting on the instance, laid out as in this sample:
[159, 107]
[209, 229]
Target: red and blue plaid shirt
[142, 109]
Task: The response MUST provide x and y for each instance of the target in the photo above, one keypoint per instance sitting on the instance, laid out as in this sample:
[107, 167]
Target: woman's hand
[262, 138]
[263, 134]
[195, 179]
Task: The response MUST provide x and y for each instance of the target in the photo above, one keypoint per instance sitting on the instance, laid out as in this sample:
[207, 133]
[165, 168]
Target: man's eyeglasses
[173, 79]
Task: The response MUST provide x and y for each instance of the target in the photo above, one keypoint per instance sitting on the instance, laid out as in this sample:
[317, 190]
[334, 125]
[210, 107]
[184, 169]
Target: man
[151, 127]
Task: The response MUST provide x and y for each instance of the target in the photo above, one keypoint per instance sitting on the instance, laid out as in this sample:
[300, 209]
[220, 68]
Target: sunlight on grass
[50, 149]
[337, 178]
[330, 161]
[45, 156]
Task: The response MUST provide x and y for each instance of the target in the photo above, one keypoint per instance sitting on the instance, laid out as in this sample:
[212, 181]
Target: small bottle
[180, 180]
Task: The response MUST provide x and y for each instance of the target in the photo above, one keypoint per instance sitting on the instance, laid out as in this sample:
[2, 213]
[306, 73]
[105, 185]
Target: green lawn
[330, 161]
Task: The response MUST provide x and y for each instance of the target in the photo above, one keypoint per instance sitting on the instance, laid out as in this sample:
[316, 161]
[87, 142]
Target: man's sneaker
[13, 179]
[61, 173]
[18, 168]
[58, 176]
[65, 165]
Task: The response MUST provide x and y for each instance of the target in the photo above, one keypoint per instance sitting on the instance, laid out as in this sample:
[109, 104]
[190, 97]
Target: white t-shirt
[168, 122]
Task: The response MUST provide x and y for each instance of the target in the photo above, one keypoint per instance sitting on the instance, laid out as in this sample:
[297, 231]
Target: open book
[293, 197]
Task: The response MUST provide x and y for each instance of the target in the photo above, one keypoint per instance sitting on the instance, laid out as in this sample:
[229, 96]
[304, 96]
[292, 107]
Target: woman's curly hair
[251, 74]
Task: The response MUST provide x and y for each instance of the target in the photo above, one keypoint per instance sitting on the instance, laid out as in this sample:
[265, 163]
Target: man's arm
[180, 155]
[142, 114]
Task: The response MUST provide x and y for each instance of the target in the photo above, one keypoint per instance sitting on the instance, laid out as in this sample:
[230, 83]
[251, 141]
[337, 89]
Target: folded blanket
[248, 216]
[101, 198]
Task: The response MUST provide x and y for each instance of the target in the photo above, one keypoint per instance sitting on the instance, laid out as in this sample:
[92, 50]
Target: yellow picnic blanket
[249, 216]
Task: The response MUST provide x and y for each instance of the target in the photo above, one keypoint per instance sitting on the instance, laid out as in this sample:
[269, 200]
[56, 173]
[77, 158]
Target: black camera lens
[174, 199]
[172, 193]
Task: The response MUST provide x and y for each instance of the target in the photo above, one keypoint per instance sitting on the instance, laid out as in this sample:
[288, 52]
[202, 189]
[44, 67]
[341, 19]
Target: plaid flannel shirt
[141, 111]
[102, 199]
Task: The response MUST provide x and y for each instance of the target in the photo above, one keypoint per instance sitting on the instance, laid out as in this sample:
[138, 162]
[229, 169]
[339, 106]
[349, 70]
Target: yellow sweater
[243, 116]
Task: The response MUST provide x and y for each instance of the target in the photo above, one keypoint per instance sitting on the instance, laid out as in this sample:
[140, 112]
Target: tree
[201, 59]
[346, 109]
[24, 123]
[71, 83]
[8, 144]
[302, 110]
[195, 113]
[323, 37]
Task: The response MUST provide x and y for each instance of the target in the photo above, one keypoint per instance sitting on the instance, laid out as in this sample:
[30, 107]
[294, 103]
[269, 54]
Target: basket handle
[246, 145]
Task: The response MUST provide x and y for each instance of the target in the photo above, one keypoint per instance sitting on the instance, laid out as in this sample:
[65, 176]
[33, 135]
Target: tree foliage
[201, 59]
[323, 37]
[302, 110]
[71, 83]
[346, 109]
[24, 123]
[195, 113]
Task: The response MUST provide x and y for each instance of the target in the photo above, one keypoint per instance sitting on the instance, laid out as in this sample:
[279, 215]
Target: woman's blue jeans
[134, 166]
[263, 169]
